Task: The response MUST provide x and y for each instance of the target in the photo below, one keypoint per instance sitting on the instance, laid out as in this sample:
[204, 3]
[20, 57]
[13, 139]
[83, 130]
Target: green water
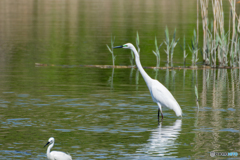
[96, 113]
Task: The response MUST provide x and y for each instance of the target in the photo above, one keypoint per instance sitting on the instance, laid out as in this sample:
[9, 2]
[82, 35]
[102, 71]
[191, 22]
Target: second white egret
[160, 94]
[56, 155]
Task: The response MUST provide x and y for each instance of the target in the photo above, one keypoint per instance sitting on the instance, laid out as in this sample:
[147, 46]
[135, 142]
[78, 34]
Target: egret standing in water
[56, 155]
[160, 94]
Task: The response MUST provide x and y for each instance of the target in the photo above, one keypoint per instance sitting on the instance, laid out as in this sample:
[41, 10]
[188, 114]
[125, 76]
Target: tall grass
[220, 48]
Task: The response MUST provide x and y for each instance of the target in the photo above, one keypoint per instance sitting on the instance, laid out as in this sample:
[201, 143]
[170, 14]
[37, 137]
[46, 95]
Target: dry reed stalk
[204, 14]
[233, 41]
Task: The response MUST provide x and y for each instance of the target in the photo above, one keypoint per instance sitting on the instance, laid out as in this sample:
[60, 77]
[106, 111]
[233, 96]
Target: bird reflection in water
[162, 140]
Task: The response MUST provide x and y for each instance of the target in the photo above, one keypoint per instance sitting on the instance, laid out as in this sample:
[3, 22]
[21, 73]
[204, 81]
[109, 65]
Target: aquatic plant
[157, 53]
[170, 46]
[167, 42]
[184, 51]
[138, 49]
[173, 45]
[111, 50]
[138, 43]
[219, 45]
[223, 49]
[233, 47]
[194, 49]
[204, 14]
[110, 80]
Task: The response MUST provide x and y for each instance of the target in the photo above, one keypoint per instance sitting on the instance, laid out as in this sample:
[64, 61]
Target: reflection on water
[217, 117]
[93, 119]
[110, 80]
[162, 140]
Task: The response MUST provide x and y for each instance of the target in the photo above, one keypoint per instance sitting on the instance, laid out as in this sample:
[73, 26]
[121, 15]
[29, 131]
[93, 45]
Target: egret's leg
[162, 114]
[159, 109]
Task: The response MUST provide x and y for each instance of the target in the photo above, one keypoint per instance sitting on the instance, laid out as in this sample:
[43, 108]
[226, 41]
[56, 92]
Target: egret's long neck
[49, 148]
[139, 65]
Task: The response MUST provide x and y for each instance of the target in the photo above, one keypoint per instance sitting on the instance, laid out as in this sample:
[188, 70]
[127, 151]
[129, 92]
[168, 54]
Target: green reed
[138, 49]
[110, 80]
[184, 51]
[157, 52]
[194, 49]
[170, 46]
[173, 45]
[111, 50]
[167, 43]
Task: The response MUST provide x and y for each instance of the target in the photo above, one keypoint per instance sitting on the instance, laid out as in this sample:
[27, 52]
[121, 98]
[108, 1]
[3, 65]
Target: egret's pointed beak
[46, 144]
[118, 47]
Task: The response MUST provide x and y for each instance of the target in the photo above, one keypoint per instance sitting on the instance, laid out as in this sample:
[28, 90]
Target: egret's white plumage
[160, 94]
[56, 155]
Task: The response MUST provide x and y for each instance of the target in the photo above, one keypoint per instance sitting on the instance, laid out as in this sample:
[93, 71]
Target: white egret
[160, 94]
[56, 155]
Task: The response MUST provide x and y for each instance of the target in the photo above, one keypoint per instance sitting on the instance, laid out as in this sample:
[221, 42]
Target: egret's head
[50, 141]
[126, 46]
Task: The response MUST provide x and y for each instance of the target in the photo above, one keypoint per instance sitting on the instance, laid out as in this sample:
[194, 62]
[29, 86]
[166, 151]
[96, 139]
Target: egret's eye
[124, 45]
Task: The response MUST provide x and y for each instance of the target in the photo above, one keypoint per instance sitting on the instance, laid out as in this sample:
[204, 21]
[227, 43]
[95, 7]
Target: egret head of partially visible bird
[50, 141]
[126, 46]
